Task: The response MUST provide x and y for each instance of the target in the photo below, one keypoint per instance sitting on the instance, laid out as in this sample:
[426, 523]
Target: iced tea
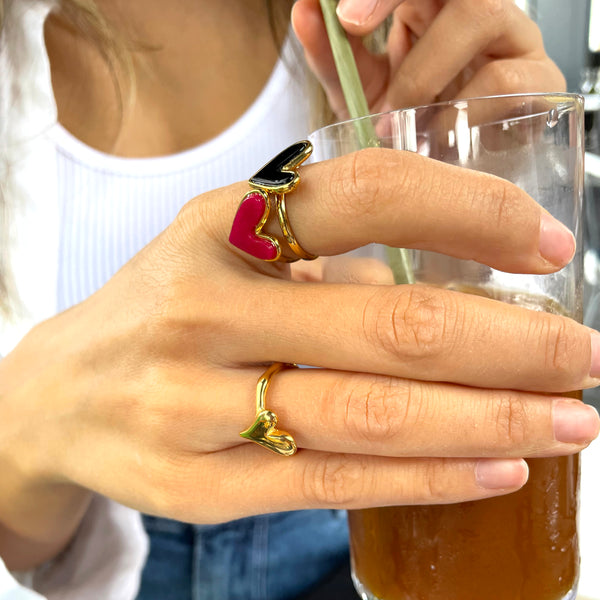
[522, 546]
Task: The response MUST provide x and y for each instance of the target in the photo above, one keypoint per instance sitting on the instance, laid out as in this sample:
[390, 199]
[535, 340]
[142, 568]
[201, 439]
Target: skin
[191, 83]
[438, 50]
[162, 362]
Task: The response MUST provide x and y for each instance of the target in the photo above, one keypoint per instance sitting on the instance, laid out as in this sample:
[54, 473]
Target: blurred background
[571, 30]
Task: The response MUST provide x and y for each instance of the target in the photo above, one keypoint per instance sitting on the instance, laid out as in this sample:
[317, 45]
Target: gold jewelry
[264, 429]
[269, 186]
[286, 229]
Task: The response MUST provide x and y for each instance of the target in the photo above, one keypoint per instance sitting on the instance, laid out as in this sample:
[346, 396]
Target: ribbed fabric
[111, 207]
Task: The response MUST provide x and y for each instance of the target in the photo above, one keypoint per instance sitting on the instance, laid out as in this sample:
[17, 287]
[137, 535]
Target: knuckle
[172, 483]
[507, 76]
[188, 220]
[510, 418]
[491, 11]
[354, 187]
[501, 210]
[506, 203]
[412, 89]
[416, 323]
[377, 411]
[201, 224]
[560, 346]
[433, 486]
[197, 213]
[334, 480]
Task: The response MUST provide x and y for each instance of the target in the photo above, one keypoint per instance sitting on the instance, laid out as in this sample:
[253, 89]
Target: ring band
[288, 234]
[264, 430]
[269, 186]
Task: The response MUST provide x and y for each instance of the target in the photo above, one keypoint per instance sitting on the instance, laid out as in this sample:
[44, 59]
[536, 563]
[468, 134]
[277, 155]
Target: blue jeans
[269, 557]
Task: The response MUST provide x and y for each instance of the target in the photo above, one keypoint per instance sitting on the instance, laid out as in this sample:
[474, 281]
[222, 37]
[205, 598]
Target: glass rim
[572, 97]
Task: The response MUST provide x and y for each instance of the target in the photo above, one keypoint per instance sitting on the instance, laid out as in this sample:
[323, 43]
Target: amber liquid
[521, 546]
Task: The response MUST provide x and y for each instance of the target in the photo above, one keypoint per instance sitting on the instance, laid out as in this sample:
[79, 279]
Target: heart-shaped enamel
[280, 175]
[264, 432]
[248, 222]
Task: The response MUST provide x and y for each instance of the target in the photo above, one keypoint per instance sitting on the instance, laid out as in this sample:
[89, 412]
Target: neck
[197, 67]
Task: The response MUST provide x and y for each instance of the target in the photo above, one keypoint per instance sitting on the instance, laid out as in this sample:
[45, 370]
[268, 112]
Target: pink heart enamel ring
[269, 187]
[264, 430]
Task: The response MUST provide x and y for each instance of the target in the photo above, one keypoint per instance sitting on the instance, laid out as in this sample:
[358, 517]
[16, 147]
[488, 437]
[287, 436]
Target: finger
[514, 76]
[365, 414]
[461, 32]
[309, 27]
[355, 413]
[323, 480]
[361, 18]
[414, 332]
[402, 199]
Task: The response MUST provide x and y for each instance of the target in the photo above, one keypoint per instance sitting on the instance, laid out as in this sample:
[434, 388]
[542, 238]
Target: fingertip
[501, 474]
[574, 422]
[357, 18]
[595, 354]
[361, 17]
[298, 17]
[305, 16]
[556, 242]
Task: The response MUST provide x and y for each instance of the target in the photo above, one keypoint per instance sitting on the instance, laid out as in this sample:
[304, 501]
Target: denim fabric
[269, 557]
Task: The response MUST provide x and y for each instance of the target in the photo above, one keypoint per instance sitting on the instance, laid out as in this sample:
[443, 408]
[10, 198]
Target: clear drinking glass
[522, 546]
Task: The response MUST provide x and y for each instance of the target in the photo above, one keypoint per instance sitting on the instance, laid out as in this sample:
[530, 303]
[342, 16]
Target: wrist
[25, 545]
[39, 509]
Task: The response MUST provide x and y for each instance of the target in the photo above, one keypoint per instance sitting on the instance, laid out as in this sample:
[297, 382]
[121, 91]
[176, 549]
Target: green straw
[356, 102]
[357, 105]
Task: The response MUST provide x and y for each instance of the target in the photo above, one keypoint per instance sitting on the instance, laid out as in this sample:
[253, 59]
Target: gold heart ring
[269, 188]
[264, 430]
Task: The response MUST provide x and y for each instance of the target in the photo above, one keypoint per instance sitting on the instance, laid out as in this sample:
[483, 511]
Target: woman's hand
[140, 392]
[436, 50]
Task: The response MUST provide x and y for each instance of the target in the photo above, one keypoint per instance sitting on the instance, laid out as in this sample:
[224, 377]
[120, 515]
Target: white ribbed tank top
[111, 207]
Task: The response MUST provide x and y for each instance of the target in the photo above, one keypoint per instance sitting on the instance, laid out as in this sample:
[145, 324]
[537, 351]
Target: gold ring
[286, 229]
[264, 430]
[269, 186]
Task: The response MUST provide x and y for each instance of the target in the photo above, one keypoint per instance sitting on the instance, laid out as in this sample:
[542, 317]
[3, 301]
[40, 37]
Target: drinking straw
[356, 102]
[357, 105]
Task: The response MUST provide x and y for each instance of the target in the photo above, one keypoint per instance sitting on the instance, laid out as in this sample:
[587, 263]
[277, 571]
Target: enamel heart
[265, 433]
[279, 175]
[248, 222]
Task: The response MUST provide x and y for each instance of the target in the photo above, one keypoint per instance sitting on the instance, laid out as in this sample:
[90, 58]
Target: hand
[140, 392]
[436, 50]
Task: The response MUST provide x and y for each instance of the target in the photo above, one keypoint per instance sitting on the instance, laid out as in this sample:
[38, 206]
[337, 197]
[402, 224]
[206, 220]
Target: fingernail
[557, 243]
[574, 422]
[595, 366]
[496, 473]
[356, 11]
